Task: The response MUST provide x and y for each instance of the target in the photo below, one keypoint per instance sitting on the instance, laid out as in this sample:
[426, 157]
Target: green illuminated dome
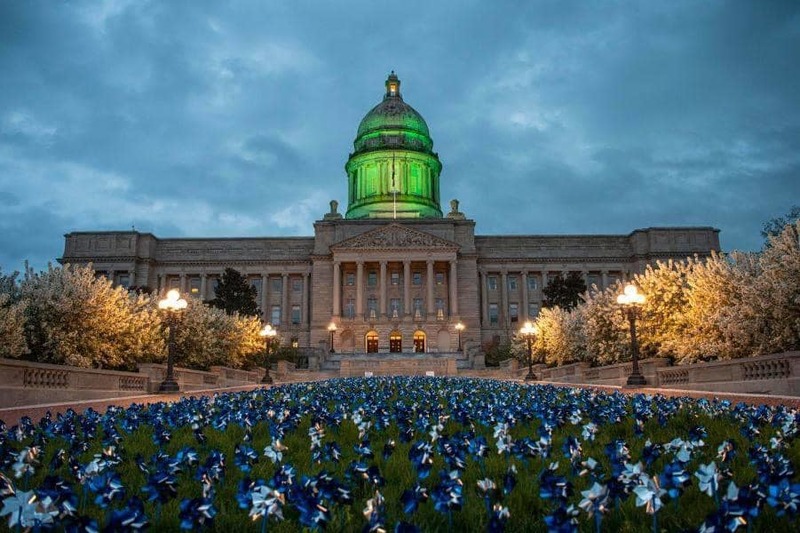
[393, 171]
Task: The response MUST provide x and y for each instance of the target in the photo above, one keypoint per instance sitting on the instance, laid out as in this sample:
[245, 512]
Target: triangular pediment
[394, 237]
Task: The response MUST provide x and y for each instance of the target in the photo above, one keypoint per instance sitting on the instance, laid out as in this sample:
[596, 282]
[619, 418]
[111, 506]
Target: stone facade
[377, 277]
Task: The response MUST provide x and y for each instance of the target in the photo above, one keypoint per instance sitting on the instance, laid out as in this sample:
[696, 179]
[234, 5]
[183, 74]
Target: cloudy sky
[236, 118]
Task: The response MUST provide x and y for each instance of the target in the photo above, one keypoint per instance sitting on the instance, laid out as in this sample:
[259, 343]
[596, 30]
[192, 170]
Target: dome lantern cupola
[393, 87]
[393, 170]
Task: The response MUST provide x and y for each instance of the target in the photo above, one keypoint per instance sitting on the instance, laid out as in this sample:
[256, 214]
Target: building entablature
[395, 240]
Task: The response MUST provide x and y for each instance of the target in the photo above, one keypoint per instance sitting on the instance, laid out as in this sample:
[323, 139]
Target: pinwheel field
[407, 454]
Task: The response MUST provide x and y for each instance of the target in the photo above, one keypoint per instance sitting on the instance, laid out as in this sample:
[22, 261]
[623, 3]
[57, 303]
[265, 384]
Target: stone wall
[28, 383]
[406, 366]
[768, 374]
[603, 375]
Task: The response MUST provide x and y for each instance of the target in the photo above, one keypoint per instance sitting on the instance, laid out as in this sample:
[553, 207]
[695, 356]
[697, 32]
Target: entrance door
[419, 342]
[395, 342]
[372, 342]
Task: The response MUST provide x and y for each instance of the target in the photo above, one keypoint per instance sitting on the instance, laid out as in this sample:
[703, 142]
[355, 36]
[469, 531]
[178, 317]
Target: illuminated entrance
[395, 342]
[372, 342]
[419, 342]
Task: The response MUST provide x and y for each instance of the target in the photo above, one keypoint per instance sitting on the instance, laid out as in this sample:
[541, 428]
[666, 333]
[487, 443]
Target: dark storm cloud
[211, 118]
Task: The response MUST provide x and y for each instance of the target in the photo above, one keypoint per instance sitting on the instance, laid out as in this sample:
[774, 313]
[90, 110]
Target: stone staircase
[331, 363]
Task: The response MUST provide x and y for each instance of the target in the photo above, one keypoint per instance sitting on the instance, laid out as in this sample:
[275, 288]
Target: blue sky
[207, 118]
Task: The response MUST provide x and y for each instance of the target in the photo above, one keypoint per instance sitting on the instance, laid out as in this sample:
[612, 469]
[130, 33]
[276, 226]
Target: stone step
[363, 355]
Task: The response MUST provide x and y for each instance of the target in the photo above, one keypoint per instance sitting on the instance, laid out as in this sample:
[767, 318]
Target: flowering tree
[561, 336]
[664, 288]
[606, 329]
[207, 336]
[775, 294]
[12, 327]
[74, 317]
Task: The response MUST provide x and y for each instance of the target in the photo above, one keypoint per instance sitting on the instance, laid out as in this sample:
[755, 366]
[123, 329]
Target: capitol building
[394, 272]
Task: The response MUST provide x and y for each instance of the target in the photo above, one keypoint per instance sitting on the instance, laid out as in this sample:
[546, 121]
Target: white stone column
[407, 287]
[204, 286]
[544, 279]
[431, 309]
[264, 288]
[383, 289]
[604, 281]
[337, 289]
[132, 276]
[525, 297]
[360, 289]
[453, 281]
[183, 283]
[285, 299]
[305, 298]
[504, 297]
[484, 300]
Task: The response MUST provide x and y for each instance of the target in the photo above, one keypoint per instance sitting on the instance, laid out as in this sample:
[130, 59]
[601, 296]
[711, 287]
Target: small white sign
[367, 374]
[430, 373]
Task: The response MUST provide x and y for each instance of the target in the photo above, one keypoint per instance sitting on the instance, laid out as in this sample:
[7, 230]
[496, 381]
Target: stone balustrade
[616, 374]
[766, 374]
[29, 383]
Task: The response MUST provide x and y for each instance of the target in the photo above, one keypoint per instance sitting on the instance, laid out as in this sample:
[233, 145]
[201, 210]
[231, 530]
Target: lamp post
[460, 327]
[331, 331]
[268, 333]
[173, 304]
[631, 302]
[529, 332]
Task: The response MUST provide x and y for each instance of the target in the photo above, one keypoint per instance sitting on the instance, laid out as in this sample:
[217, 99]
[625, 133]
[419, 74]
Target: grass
[466, 408]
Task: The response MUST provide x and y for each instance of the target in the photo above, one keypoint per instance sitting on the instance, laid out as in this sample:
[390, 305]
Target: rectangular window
[395, 278]
[256, 282]
[513, 312]
[372, 308]
[124, 280]
[532, 284]
[295, 343]
[174, 283]
[214, 285]
[494, 315]
[492, 283]
[512, 283]
[592, 279]
[297, 284]
[295, 314]
[417, 307]
[349, 279]
[194, 287]
[277, 284]
[440, 278]
[439, 304]
[394, 307]
[350, 308]
[416, 278]
[275, 317]
[372, 278]
[533, 310]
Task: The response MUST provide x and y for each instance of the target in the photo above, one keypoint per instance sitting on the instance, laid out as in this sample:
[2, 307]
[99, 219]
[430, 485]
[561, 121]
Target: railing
[767, 374]
[29, 383]
[45, 378]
